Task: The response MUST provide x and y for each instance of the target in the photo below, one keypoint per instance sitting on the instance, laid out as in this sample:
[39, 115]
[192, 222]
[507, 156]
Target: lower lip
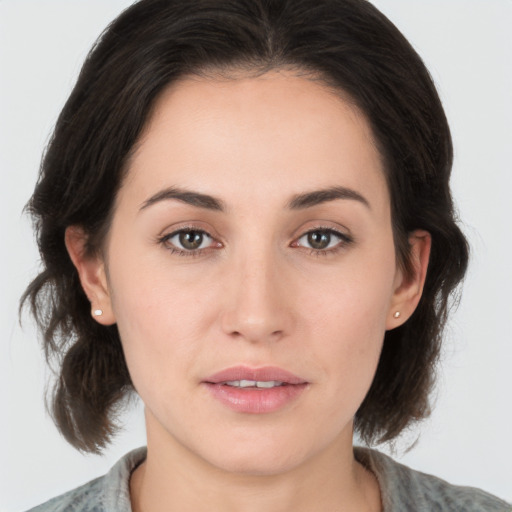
[255, 400]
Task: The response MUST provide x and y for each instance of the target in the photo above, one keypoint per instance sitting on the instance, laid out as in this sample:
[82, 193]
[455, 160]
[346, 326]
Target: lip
[247, 373]
[255, 400]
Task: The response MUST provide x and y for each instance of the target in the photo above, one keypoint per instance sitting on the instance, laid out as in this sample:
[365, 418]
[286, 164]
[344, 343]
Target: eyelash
[164, 240]
[344, 241]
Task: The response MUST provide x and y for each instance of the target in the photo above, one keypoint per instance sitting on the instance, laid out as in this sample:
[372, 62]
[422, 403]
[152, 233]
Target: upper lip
[265, 373]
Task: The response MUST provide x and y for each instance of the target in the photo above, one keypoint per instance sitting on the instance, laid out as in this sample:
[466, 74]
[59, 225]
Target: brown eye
[191, 240]
[319, 239]
[323, 240]
[188, 240]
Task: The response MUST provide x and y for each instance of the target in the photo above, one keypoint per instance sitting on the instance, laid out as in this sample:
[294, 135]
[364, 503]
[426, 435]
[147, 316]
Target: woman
[236, 215]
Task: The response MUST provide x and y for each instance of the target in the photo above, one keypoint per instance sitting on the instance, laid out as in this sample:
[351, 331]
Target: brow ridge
[185, 196]
[298, 202]
[316, 197]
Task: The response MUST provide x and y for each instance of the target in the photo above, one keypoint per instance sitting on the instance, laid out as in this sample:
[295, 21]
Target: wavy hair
[349, 45]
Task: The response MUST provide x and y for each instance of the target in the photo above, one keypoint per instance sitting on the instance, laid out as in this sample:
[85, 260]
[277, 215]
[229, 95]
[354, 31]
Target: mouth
[262, 384]
[255, 390]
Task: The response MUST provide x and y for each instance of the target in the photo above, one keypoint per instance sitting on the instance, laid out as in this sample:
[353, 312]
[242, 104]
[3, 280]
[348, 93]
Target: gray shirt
[402, 489]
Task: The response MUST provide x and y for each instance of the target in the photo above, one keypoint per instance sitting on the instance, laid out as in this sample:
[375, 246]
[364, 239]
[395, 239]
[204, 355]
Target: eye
[322, 240]
[188, 240]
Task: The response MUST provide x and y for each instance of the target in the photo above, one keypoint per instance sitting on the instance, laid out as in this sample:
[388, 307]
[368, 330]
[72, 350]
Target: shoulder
[86, 498]
[109, 493]
[404, 489]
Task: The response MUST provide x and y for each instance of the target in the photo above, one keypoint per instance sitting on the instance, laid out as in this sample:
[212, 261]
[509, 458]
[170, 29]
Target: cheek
[346, 322]
[156, 321]
[151, 292]
[165, 315]
[348, 340]
[353, 300]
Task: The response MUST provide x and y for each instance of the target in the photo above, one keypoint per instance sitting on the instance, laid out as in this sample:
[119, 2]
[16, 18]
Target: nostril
[256, 335]
[256, 317]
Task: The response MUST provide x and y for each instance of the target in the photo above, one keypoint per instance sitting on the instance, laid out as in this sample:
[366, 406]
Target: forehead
[240, 135]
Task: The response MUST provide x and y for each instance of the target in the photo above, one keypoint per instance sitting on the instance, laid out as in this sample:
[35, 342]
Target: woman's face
[252, 241]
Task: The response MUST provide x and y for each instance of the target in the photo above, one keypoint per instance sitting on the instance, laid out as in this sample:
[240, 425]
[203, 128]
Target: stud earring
[397, 314]
[98, 312]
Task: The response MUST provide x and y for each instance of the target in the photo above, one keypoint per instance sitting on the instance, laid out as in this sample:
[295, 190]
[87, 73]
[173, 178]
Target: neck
[173, 478]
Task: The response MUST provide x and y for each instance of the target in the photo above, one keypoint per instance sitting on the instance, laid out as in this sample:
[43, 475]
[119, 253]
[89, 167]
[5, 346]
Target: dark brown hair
[352, 47]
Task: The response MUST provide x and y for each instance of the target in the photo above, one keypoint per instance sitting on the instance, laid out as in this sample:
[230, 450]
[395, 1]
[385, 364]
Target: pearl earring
[397, 314]
[98, 312]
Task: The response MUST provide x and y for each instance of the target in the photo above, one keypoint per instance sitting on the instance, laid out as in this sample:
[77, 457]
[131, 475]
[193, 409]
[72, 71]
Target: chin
[263, 454]
[259, 463]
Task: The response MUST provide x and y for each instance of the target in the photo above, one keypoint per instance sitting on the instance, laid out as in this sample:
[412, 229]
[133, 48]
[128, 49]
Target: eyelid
[345, 239]
[206, 238]
[167, 235]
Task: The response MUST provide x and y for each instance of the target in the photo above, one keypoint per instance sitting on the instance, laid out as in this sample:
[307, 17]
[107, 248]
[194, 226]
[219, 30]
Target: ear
[408, 288]
[92, 274]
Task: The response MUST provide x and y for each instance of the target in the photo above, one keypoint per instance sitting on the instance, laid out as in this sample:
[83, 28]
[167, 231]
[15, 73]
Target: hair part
[352, 48]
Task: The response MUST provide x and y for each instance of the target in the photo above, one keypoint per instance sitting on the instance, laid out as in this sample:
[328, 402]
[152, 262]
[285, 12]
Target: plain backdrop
[467, 46]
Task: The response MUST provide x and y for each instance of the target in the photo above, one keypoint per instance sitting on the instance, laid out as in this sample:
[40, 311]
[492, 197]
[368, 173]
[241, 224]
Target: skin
[257, 293]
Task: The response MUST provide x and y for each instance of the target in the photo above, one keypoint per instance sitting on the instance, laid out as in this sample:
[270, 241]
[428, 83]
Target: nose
[258, 305]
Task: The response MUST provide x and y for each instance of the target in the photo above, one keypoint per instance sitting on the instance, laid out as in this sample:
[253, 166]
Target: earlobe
[92, 274]
[409, 287]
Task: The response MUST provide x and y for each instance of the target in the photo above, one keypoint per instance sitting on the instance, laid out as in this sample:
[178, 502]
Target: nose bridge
[256, 309]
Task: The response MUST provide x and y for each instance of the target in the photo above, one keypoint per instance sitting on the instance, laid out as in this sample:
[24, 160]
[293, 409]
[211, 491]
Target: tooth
[268, 384]
[253, 383]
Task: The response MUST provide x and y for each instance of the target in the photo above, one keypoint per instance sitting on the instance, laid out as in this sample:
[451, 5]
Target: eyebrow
[185, 196]
[298, 202]
[316, 197]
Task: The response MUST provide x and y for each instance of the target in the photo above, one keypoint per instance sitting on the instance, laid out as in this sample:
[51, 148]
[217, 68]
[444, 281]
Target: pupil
[319, 239]
[191, 239]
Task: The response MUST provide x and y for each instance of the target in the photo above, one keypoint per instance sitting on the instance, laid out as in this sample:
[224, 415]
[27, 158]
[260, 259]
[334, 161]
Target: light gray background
[467, 45]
